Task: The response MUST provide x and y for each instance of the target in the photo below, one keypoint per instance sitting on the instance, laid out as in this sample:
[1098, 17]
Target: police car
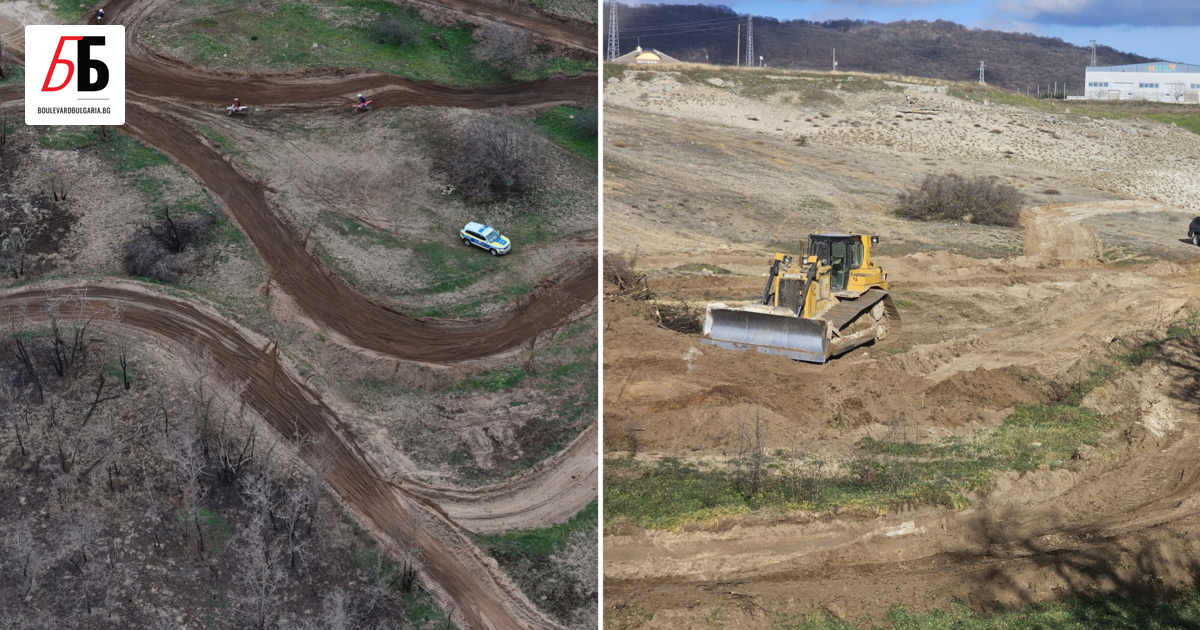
[487, 237]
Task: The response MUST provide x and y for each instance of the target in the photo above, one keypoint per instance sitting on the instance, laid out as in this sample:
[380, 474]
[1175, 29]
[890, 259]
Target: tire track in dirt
[480, 594]
[552, 494]
[558, 31]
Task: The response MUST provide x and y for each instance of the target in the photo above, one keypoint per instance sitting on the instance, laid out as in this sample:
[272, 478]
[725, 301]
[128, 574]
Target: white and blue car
[487, 237]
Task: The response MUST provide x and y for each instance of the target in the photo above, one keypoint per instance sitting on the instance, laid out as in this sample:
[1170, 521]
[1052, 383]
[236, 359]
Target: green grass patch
[544, 541]
[346, 33]
[448, 267]
[66, 138]
[127, 155]
[701, 267]
[492, 380]
[980, 93]
[1112, 613]
[568, 127]
[423, 612]
[69, 10]
[14, 75]
[536, 559]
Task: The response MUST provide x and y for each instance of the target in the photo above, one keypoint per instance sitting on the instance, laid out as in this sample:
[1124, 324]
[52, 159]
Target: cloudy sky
[1167, 29]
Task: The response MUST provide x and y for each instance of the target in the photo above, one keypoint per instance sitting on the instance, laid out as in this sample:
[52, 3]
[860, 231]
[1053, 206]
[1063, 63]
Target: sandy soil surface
[991, 318]
[460, 577]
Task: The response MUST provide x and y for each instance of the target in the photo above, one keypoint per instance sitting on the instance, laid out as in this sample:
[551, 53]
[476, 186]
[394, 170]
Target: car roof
[475, 227]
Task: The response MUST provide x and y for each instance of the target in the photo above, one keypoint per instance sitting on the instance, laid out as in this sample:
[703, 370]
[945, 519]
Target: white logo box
[64, 93]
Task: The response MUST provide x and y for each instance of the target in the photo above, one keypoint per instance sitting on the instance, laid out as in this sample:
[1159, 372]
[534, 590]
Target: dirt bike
[361, 108]
[99, 16]
[231, 110]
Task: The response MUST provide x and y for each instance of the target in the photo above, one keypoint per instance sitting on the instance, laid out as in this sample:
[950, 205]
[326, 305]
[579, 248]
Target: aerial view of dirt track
[1022, 437]
[253, 374]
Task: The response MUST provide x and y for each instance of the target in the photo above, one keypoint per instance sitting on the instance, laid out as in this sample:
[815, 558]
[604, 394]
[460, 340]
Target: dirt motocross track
[465, 583]
[1040, 304]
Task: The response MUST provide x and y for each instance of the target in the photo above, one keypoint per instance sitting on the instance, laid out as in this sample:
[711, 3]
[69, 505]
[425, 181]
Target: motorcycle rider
[99, 15]
[237, 104]
[362, 100]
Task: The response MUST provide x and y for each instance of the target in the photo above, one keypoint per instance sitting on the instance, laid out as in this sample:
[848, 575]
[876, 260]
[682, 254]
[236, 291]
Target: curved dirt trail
[460, 573]
[559, 31]
[333, 303]
[552, 494]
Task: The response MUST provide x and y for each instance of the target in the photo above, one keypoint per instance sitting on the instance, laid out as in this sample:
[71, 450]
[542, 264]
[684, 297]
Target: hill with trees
[939, 50]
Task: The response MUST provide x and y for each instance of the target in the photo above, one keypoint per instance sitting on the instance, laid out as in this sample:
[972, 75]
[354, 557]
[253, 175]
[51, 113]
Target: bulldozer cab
[841, 252]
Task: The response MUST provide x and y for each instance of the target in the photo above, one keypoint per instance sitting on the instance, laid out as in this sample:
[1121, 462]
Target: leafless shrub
[487, 158]
[503, 47]
[633, 438]
[61, 179]
[622, 272]
[749, 467]
[12, 253]
[259, 576]
[682, 318]
[162, 249]
[398, 32]
[951, 197]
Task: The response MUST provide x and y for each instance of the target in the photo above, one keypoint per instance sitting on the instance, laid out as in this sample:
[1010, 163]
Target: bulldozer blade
[794, 337]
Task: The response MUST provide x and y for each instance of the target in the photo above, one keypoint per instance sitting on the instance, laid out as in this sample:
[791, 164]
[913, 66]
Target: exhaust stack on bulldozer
[835, 300]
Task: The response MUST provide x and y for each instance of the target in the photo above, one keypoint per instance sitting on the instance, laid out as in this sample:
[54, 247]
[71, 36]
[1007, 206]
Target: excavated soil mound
[995, 389]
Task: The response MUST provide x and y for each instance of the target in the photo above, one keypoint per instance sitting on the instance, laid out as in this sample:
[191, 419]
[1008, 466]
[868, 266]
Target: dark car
[1194, 231]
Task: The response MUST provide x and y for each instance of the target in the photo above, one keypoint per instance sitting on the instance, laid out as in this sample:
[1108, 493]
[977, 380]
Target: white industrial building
[1155, 81]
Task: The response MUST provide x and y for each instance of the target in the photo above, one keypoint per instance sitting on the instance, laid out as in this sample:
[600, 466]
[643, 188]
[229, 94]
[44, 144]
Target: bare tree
[492, 157]
[504, 47]
[61, 178]
[12, 251]
[259, 575]
[1177, 91]
[24, 558]
[68, 333]
[184, 453]
[337, 613]
[124, 338]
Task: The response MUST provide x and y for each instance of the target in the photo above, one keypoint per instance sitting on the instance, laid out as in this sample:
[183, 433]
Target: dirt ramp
[1054, 234]
[1101, 231]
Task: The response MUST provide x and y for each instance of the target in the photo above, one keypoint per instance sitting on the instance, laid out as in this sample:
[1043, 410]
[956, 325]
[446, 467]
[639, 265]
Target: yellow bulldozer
[834, 300]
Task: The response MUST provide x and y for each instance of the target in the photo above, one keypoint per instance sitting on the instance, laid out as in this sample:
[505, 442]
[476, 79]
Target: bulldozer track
[460, 577]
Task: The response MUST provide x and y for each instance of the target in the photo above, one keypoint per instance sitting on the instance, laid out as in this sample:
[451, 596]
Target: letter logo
[82, 72]
[54, 64]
